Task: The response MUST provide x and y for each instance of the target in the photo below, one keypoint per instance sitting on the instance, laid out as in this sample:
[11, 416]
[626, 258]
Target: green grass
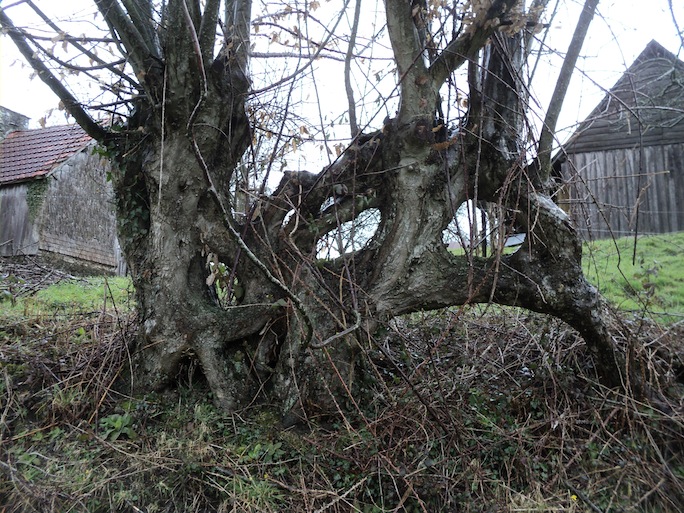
[654, 282]
[73, 297]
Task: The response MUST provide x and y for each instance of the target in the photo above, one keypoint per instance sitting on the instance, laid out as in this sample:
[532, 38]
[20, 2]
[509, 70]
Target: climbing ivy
[35, 194]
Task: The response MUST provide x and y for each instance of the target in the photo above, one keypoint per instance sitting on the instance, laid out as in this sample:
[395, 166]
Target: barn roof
[30, 154]
[645, 107]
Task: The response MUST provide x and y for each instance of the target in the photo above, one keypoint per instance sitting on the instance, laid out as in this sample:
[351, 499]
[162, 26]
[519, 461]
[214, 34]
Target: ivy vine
[35, 194]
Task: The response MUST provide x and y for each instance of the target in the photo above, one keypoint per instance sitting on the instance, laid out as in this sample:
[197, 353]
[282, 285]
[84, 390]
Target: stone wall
[77, 217]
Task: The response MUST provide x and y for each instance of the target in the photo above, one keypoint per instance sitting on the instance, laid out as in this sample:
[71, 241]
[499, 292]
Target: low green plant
[116, 425]
[29, 465]
[266, 452]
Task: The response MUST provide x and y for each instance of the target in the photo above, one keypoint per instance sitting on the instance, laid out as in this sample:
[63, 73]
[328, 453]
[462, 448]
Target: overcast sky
[617, 36]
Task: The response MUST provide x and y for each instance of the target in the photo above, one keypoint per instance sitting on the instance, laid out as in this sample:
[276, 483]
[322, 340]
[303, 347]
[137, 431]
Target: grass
[653, 281]
[89, 294]
[69, 297]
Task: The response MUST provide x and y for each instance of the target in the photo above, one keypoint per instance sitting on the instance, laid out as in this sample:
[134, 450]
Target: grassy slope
[655, 281]
[498, 414]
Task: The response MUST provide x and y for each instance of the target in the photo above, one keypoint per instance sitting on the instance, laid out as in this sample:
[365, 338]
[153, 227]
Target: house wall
[77, 217]
[605, 188]
[17, 233]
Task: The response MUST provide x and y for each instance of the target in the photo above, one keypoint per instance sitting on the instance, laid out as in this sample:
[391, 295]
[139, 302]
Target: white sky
[620, 32]
[18, 91]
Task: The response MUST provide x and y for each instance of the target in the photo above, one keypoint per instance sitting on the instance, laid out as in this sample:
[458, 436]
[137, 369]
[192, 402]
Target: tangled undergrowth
[472, 410]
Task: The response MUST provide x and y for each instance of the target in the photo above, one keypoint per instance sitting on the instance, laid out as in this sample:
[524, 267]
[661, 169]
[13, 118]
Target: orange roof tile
[28, 154]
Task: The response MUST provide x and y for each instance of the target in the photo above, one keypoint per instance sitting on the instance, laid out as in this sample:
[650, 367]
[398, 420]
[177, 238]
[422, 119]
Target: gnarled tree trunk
[291, 326]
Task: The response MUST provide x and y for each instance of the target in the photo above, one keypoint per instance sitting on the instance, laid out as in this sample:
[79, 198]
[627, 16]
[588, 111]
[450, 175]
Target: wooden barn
[624, 166]
[55, 200]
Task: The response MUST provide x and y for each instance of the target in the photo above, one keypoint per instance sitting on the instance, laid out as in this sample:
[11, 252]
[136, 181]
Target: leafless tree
[200, 119]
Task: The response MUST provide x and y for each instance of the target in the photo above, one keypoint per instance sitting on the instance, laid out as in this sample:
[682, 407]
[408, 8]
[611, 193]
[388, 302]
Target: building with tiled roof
[29, 154]
[55, 200]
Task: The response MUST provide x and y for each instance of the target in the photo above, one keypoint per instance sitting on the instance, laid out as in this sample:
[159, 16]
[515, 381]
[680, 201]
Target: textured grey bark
[295, 334]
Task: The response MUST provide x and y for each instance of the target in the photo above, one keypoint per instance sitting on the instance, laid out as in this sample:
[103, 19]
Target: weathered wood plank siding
[17, 233]
[608, 189]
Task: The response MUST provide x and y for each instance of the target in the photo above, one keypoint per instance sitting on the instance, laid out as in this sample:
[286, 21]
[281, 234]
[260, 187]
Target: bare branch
[196, 48]
[312, 58]
[238, 18]
[72, 105]
[345, 209]
[110, 66]
[468, 44]
[353, 125]
[561, 89]
[418, 91]
[289, 55]
[405, 42]
[207, 30]
[675, 22]
[76, 43]
[140, 12]
[136, 45]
